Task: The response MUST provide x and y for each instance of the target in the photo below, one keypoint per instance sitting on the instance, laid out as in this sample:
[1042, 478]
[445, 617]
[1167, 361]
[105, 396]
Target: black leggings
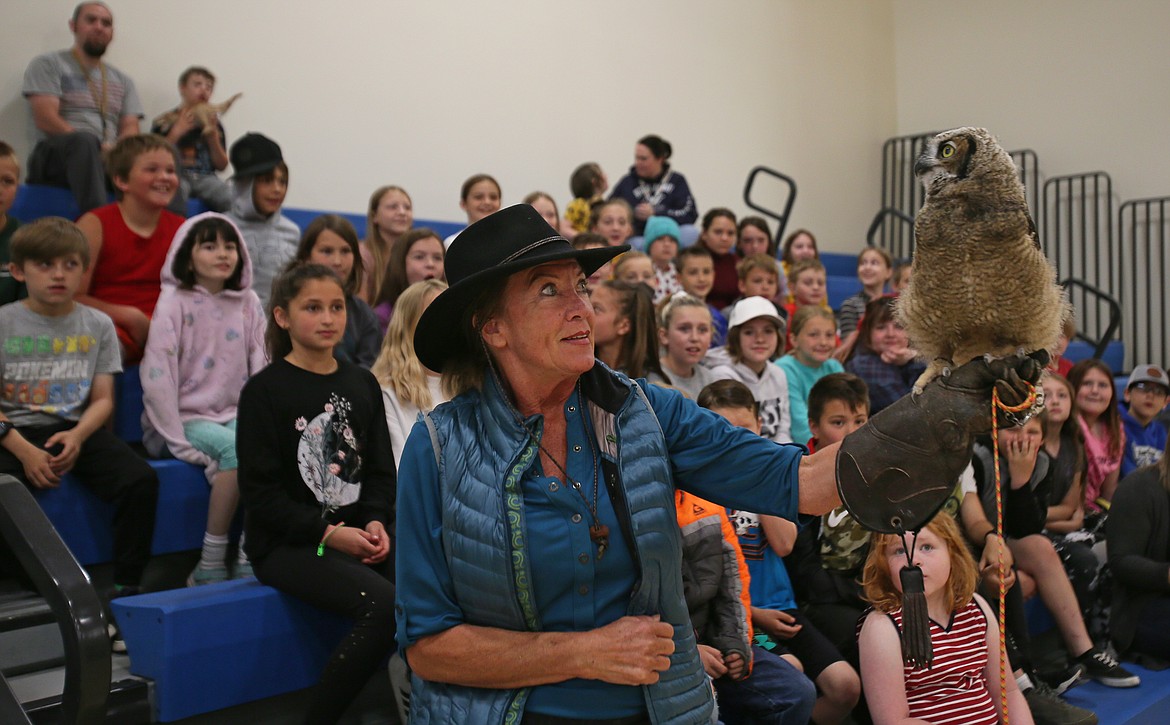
[338, 583]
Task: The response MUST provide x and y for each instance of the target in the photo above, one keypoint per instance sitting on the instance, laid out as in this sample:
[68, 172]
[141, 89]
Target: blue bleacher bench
[84, 521]
[219, 645]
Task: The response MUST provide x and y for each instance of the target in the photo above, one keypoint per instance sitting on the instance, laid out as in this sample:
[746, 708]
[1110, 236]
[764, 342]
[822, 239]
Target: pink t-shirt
[1100, 462]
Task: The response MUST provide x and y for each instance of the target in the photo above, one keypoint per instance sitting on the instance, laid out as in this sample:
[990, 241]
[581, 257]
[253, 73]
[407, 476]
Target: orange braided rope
[1003, 659]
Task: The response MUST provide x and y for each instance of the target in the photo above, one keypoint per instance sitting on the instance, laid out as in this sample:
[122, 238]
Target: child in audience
[1145, 436]
[613, 220]
[546, 206]
[758, 276]
[1139, 557]
[129, 239]
[753, 684]
[331, 241]
[753, 342]
[589, 240]
[1064, 446]
[882, 355]
[1064, 518]
[718, 236]
[418, 255]
[662, 245]
[259, 186]
[696, 272]
[479, 196]
[825, 562]
[813, 336]
[780, 627]
[10, 289]
[684, 333]
[958, 687]
[1024, 473]
[635, 267]
[900, 276]
[873, 271]
[202, 149]
[755, 238]
[206, 340]
[389, 216]
[407, 387]
[588, 185]
[800, 244]
[1100, 422]
[807, 286]
[625, 332]
[317, 480]
[57, 364]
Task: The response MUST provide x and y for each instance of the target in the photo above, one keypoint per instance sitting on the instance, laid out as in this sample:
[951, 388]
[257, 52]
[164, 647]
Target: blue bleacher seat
[841, 288]
[83, 520]
[1114, 355]
[34, 201]
[211, 647]
[840, 265]
[303, 217]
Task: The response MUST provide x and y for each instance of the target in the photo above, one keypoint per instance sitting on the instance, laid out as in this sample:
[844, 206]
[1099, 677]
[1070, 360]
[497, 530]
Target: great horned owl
[981, 284]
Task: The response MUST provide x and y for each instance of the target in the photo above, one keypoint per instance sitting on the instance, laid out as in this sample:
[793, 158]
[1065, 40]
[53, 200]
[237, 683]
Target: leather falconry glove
[896, 472]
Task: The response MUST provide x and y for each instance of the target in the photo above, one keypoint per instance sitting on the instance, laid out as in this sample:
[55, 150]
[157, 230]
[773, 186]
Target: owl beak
[923, 165]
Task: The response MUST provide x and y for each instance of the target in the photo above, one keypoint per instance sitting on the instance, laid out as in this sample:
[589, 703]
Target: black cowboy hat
[489, 250]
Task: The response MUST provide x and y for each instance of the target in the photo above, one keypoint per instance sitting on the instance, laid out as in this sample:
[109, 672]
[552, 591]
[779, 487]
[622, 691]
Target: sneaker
[1048, 709]
[1099, 665]
[243, 570]
[200, 575]
[1061, 680]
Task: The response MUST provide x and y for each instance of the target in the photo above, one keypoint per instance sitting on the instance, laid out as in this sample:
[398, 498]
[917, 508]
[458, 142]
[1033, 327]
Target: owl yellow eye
[948, 150]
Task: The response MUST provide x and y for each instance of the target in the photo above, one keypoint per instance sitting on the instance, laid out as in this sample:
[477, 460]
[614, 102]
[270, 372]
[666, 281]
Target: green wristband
[321, 546]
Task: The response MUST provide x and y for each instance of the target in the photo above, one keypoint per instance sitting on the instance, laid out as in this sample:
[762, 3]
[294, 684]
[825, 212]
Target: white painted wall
[1084, 83]
[365, 92]
[423, 94]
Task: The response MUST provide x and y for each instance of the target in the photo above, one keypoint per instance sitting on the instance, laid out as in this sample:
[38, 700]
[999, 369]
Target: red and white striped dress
[955, 688]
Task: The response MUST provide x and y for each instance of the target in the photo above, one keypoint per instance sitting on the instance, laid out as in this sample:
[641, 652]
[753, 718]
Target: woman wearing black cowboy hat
[538, 556]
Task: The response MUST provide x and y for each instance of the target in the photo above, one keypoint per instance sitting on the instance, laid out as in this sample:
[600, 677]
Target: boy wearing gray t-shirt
[57, 365]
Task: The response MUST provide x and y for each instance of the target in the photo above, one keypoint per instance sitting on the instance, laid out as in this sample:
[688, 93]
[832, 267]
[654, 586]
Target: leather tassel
[916, 647]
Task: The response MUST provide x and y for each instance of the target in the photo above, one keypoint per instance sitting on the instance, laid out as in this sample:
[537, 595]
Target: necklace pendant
[599, 534]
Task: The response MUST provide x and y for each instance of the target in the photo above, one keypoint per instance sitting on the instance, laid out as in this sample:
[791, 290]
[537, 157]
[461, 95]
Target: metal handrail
[780, 217]
[1100, 344]
[878, 223]
[67, 588]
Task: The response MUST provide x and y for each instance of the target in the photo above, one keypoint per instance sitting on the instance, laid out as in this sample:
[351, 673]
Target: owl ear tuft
[969, 153]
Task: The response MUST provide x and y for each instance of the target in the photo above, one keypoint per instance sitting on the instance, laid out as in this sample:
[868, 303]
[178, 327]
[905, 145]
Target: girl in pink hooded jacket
[206, 339]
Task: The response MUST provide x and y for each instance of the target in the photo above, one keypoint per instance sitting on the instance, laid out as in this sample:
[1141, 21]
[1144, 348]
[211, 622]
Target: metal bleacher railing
[1077, 235]
[73, 600]
[1143, 232]
[781, 217]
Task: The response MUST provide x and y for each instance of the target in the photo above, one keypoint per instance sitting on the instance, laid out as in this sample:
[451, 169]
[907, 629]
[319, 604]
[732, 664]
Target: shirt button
[576, 449]
[576, 518]
[553, 486]
[583, 590]
[583, 558]
[572, 409]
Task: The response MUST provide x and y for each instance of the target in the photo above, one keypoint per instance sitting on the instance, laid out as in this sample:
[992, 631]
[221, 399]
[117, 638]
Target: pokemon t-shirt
[47, 364]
